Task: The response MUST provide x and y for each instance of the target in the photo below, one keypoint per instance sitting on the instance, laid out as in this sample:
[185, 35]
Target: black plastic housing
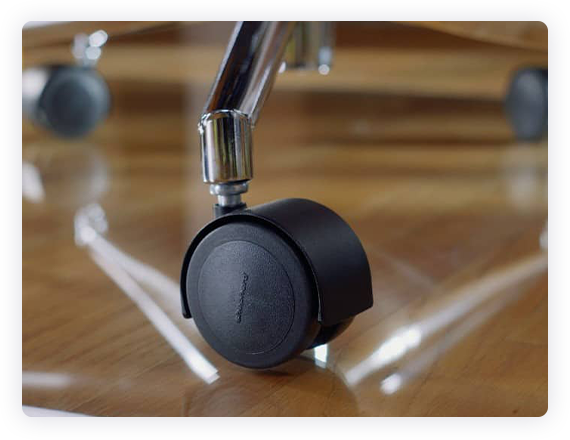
[267, 282]
[526, 104]
[73, 102]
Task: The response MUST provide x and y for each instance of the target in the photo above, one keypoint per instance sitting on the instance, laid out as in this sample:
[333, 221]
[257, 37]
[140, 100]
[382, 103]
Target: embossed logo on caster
[299, 271]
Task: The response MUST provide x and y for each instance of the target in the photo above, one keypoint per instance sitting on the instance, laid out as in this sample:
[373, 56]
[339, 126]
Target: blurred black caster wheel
[265, 283]
[70, 101]
[526, 104]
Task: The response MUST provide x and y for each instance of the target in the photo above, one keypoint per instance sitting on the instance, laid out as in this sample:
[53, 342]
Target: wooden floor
[451, 211]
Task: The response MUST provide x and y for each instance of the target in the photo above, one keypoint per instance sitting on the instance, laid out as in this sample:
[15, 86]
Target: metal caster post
[69, 100]
[526, 104]
[265, 283]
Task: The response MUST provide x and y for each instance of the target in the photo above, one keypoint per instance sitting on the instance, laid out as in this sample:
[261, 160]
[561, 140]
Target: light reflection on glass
[70, 174]
[32, 186]
[391, 384]
[321, 354]
[389, 351]
[90, 223]
[525, 180]
[457, 306]
[41, 379]
[428, 356]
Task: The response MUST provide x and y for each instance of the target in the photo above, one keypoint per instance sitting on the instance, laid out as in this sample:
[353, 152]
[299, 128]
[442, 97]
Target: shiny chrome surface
[249, 67]
[451, 209]
[229, 194]
[87, 49]
[241, 87]
[226, 138]
[311, 47]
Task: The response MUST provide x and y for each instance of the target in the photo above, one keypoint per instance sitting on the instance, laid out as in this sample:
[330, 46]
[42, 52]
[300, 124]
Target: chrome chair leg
[256, 53]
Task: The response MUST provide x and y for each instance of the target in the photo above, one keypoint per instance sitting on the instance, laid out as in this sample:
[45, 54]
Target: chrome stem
[311, 47]
[244, 80]
[254, 56]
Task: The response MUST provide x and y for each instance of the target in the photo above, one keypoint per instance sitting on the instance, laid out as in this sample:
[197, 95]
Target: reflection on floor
[450, 209]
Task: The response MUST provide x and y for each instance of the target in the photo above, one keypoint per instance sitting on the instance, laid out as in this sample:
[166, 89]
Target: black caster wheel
[265, 283]
[526, 104]
[68, 100]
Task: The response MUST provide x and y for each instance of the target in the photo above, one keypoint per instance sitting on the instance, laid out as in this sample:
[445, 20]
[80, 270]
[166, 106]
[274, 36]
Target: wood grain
[525, 34]
[450, 208]
[391, 59]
